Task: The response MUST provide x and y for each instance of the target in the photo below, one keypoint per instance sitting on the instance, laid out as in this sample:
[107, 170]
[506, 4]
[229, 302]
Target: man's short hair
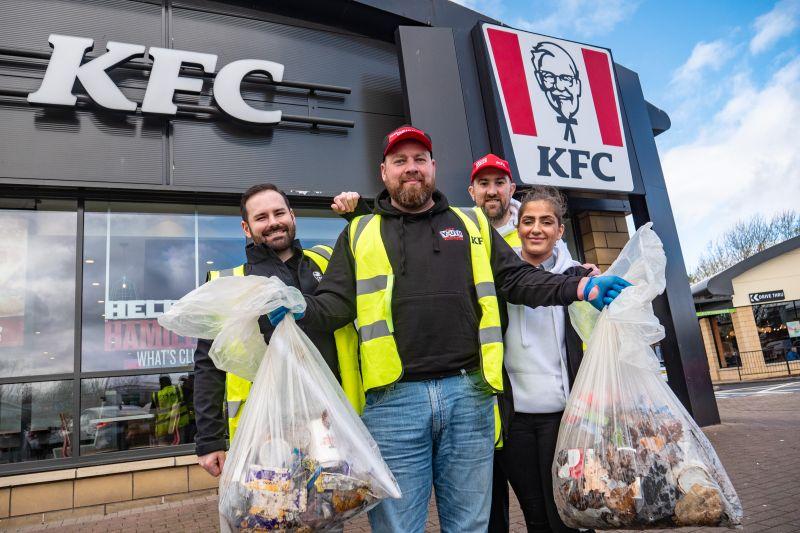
[255, 189]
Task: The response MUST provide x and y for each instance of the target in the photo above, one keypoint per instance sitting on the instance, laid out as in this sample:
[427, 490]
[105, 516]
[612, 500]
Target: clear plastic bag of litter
[301, 459]
[629, 455]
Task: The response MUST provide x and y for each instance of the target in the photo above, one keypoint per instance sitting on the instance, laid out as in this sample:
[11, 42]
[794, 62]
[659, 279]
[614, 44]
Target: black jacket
[209, 385]
[434, 306]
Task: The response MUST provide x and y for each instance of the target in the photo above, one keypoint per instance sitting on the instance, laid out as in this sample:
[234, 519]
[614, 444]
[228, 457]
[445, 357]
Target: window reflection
[37, 290]
[318, 226]
[130, 412]
[35, 421]
[725, 340]
[139, 260]
[776, 323]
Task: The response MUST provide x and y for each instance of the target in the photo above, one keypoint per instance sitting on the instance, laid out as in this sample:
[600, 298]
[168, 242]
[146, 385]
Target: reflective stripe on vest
[380, 360]
[498, 426]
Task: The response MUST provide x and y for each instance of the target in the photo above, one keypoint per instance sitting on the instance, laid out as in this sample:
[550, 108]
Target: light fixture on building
[95, 284]
[101, 301]
[89, 261]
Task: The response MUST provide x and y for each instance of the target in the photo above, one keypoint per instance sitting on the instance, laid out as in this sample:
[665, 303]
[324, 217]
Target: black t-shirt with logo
[435, 308]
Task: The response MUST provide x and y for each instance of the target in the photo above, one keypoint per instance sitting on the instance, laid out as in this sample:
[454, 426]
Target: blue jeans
[437, 433]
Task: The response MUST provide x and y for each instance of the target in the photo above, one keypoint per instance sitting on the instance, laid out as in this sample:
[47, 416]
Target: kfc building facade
[130, 128]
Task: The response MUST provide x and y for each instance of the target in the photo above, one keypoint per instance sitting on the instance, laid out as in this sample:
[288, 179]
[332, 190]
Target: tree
[744, 239]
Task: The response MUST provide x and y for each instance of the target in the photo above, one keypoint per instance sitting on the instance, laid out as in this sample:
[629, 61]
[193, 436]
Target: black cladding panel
[94, 147]
[28, 23]
[367, 66]
[222, 156]
[69, 145]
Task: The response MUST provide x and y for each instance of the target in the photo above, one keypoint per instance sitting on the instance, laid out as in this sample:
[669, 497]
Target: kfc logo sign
[561, 109]
[66, 66]
[560, 82]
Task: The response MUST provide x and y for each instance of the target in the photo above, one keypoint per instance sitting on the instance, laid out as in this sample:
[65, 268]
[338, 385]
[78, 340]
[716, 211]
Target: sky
[727, 73]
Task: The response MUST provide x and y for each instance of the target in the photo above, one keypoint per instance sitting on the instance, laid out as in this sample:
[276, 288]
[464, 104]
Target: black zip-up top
[434, 306]
[209, 386]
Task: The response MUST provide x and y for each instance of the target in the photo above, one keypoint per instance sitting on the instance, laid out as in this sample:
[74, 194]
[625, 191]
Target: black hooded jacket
[300, 272]
[434, 306]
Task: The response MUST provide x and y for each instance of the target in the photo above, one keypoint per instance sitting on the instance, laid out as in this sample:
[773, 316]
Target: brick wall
[603, 234]
[97, 490]
[711, 349]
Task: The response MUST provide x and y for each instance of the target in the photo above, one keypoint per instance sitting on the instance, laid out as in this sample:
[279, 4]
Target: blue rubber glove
[608, 287]
[277, 315]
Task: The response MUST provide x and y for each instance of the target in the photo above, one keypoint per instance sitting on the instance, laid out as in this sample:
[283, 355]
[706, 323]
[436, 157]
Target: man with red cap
[492, 189]
[422, 280]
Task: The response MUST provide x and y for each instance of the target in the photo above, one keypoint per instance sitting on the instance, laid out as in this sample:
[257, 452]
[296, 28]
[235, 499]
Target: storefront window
[130, 412]
[725, 339]
[777, 328]
[318, 226]
[35, 421]
[37, 288]
[140, 258]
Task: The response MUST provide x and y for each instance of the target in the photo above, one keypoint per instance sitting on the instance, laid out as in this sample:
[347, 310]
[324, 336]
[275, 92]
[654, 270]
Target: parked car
[116, 427]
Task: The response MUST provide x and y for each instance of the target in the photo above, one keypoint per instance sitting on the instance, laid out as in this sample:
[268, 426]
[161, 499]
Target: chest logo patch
[317, 275]
[452, 234]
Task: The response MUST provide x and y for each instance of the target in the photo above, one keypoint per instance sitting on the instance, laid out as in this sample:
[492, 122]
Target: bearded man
[269, 222]
[422, 281]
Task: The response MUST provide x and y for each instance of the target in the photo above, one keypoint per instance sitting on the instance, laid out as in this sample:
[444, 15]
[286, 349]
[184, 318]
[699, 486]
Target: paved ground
[758, 442]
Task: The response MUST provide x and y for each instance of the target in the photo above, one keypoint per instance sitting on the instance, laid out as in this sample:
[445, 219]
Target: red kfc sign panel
[561, 110]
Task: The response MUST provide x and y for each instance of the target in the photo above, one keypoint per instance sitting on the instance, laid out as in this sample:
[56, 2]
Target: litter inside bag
[301, 459]
[628, 454]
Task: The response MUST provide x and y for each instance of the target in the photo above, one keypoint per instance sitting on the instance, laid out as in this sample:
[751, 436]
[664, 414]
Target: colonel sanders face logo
[560, 82]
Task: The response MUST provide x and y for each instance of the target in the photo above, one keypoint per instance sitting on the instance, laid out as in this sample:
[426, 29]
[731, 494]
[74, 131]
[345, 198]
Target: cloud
[705, 56]
[778, 23]
[580, 18]
[744, 161]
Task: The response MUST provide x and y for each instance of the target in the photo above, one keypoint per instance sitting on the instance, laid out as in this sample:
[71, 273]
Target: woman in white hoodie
[542, 353]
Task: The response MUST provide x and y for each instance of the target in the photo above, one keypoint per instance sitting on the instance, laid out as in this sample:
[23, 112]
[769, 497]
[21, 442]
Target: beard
[499, 214]
[276, 245]
[411, 197]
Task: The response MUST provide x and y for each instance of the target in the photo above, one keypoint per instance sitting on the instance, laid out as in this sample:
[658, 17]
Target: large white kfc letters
[65, 68]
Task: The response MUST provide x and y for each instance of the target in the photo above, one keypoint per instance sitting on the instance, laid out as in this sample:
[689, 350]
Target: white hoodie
[511, 225]
[535, 350]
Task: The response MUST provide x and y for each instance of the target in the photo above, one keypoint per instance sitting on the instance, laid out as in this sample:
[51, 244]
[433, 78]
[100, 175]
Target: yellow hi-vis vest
[237, 388]
[513, 240]
[380, 360]
[171, 410]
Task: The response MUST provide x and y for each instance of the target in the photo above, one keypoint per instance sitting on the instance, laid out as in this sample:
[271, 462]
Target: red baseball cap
[406, 133]
[489, 161]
